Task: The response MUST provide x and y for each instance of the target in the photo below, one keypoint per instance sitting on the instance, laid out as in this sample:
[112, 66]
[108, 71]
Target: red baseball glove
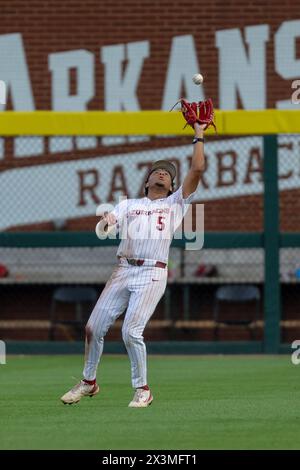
[3, 271]
[202, 112]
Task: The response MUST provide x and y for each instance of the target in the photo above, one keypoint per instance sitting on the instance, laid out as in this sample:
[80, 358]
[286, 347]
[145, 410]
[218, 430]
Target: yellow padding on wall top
[239, 122]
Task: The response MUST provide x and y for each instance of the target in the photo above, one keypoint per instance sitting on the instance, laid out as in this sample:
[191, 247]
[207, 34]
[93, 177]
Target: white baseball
[198, 78]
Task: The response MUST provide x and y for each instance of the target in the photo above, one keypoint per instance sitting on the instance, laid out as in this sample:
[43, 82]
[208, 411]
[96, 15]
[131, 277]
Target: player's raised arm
[192, 179]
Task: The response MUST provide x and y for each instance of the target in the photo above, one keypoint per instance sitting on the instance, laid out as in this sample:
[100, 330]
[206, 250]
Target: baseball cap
[164, 165]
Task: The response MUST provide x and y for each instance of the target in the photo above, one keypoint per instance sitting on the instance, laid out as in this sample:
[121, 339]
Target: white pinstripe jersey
[147, 226]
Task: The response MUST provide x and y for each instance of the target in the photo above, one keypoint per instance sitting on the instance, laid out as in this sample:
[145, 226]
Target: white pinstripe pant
[139, 289]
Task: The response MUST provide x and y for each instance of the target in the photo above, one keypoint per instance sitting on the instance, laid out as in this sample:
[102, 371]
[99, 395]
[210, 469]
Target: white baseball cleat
[80, 390]
[141, 399]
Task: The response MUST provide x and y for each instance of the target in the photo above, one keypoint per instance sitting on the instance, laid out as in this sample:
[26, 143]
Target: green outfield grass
[199, 403]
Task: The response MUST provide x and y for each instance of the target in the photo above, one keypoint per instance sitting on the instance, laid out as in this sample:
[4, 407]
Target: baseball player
[140, 279]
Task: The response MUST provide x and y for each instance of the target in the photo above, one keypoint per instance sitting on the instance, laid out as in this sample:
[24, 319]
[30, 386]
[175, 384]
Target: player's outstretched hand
[109, 217]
